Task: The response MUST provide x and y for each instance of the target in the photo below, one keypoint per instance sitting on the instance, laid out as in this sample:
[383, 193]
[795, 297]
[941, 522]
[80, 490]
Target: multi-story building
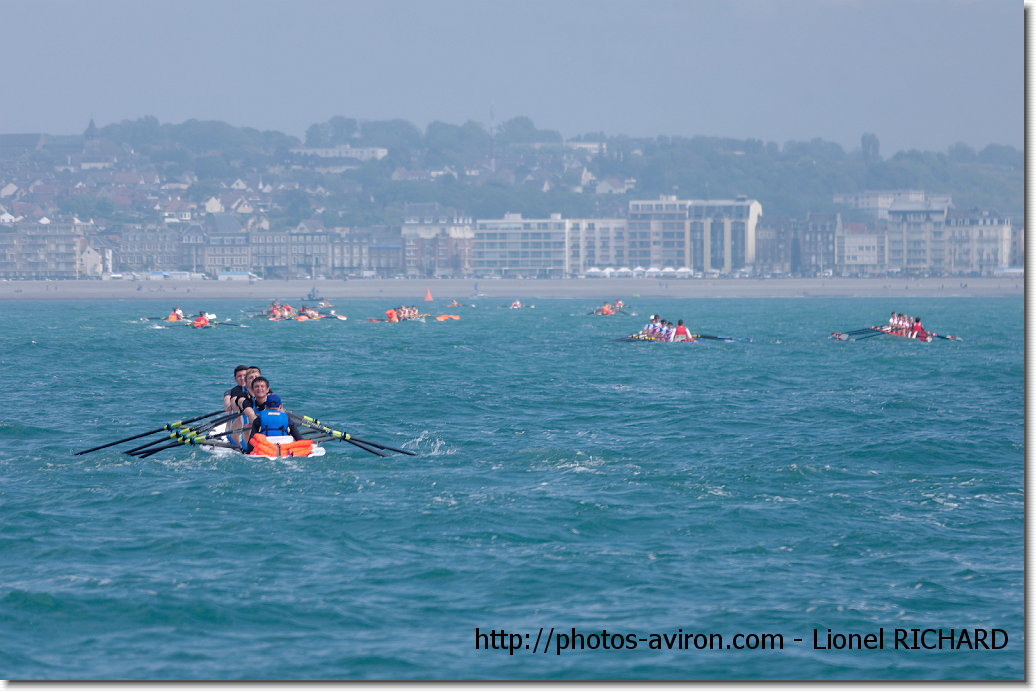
[916, 236]
[596, 243]
[878, 202]
[711, 236]
[310, 250]
[436, 241]
[860, 250]
[343, 151]
[773, 245]
[150, 248]
[271, 253]
[976, 242]
[814, 251]
[226, 248]
[48, 250]
[513, 247]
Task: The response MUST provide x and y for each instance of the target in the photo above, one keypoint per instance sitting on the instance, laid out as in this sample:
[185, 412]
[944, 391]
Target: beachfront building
[226, 245]
[773, 245]
[150, 248]
[977, 242]
[709, 236]
[860, 250]
[47, 250]
[916, 236]
[814, 245]
[514, 247]
[599, 243]
[437, 242]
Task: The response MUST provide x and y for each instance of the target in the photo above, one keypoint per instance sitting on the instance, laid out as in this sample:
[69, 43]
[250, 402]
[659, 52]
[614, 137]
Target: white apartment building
[704, 235]
[977, 242]
[512, 246]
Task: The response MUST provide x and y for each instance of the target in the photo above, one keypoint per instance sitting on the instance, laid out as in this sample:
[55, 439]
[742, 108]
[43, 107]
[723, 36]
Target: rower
[236, 392]
[647, 327]
[176, 314]
[516, 304]
[245, 401]
[202, 320]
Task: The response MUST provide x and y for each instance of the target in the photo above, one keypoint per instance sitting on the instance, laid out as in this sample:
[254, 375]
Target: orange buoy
[428, 294]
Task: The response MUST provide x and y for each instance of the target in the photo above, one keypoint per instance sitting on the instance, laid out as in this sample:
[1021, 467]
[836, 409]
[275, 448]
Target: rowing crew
[901, 324]
[202, 320]
[401, 313]
[609, 308]
[662, 330]
[261, 410]
[276, 311]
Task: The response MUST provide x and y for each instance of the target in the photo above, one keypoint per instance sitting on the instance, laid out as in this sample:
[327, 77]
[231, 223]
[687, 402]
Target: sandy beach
[413, 290]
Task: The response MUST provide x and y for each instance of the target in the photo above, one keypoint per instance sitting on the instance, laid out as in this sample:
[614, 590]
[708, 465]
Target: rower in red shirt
[917, 331]
[681, 333]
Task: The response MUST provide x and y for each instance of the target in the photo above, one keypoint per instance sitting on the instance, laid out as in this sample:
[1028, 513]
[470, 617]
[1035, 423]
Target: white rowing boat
[317, 450]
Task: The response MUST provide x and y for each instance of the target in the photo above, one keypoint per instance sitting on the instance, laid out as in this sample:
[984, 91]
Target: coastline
[413, 290]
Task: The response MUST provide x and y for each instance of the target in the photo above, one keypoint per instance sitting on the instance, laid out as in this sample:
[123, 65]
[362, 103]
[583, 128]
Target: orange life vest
[390, 316]
[262, 446]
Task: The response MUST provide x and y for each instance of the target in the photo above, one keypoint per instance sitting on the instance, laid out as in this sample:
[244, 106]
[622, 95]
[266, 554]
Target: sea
[792, 507]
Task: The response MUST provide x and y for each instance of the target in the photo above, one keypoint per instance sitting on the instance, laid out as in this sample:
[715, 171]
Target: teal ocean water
[567, 488]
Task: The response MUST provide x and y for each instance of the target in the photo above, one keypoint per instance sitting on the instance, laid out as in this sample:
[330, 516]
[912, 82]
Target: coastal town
[80, 207]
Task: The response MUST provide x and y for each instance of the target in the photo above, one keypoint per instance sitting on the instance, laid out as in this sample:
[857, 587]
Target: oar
[192, 437]
[948, 337]
[313, 423]
[746, 339]
[167, 426]
[333, 434]
[182, 433]
[189, 441]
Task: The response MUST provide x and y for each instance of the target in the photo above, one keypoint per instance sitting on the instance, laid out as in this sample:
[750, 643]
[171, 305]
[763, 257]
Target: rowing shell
[876, 331]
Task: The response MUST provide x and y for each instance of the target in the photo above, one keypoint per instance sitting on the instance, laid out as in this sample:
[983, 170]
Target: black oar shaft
[190, 432]
[346, 437]
[167, 426]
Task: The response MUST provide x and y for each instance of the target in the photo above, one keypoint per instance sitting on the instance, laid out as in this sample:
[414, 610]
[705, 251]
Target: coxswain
[681, 333]
[202, 320]
[917, 331]
[391, 315]
[606, 309]
[272, 421]
[175, 315]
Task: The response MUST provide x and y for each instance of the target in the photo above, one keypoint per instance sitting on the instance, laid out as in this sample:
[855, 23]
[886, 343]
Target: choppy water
[563, 481]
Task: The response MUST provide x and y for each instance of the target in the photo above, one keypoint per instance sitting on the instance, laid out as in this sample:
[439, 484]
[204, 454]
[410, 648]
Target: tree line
[521, 168]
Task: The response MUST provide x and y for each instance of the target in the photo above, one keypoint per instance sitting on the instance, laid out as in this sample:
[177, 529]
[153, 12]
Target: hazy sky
[917, 73]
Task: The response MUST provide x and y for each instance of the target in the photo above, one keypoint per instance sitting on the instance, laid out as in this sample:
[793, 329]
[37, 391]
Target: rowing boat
[211, 436]
[693, 340]
[229, 448]
[871, 332]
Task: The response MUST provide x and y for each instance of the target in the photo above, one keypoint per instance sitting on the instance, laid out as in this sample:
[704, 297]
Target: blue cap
[272, 401]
